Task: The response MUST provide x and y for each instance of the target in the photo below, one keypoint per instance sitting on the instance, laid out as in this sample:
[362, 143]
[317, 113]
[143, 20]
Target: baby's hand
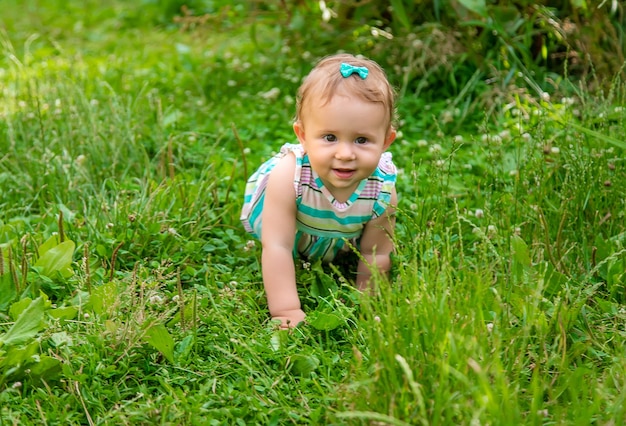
[289, 319]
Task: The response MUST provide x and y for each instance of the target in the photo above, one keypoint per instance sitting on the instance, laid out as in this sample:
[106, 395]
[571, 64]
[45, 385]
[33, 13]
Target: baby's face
[344, 139]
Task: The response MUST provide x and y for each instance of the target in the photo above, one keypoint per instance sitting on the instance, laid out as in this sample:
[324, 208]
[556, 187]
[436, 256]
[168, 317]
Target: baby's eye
[330, 138]
[360, 140]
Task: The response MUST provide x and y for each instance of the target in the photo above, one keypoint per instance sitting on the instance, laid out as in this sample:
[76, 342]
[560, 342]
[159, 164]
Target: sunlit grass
[505, 305]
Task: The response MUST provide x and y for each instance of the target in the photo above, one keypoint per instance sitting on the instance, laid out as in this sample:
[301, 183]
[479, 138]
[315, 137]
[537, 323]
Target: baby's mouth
[344, 173]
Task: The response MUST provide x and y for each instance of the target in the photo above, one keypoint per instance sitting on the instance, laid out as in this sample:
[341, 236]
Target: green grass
[130, 294]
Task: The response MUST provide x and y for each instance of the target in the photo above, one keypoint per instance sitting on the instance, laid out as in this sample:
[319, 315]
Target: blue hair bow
[347, 70]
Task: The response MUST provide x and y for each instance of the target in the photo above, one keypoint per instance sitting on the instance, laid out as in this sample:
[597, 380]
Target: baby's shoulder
[292, 148]
[386, 165]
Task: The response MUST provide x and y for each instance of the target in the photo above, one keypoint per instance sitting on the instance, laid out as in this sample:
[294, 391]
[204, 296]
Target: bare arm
[377, 245]
[277, 239]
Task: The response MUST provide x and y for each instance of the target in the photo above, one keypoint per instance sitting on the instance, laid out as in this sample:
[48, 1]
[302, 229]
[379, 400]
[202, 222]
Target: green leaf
[554, 280]
[303, 365]
[103, 297]
[399, 12]
[184, 348]
[18, 307]
[57, 259]
[45, 367]
[17, 355]
[279, 340]
[64, 313]
[28, 324]
[477, 6]
[7, 291]
[596, 135]
[161, 340]
[519, 250]
[324, 321]
[50, 243]
[61, 339]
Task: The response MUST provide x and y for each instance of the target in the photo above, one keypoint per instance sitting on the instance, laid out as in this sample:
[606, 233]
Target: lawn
[130, 293]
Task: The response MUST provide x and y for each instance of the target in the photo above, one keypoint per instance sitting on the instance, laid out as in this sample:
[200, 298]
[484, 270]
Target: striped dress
[323, 225]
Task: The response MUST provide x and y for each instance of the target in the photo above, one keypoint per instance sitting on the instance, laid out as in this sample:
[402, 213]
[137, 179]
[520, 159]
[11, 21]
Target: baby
[333, 190]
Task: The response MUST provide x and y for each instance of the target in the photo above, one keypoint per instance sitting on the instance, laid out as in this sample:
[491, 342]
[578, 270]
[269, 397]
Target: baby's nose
[344, 151]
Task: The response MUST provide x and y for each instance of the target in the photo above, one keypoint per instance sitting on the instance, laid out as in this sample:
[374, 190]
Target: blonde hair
[325, 81]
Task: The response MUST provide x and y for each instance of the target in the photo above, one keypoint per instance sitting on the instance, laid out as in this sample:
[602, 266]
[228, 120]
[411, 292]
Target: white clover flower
[326, 12]
[440, 163]
[399, 134]
[156, 299]
[492, 230]
[377, 318]
[526, 136]
[435, 148]
[545, 96]
[422, 143]
[176, 298]
[489, 327]
[80, 160]
[555, 150]
[233, 283]
[231, 83]
[505, 135]
[86, 315]
[458, 138]
[514, 172]
[479, 213]
[271, 94]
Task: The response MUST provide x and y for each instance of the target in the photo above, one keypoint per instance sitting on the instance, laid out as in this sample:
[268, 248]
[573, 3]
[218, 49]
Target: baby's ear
[298, 129]
[391, 136]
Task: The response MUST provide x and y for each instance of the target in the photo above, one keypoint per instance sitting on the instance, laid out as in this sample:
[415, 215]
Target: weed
[130, 294]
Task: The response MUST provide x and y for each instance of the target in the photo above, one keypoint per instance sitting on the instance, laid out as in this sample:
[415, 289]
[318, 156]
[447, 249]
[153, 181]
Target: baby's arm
[377, 245]
[277, 239]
